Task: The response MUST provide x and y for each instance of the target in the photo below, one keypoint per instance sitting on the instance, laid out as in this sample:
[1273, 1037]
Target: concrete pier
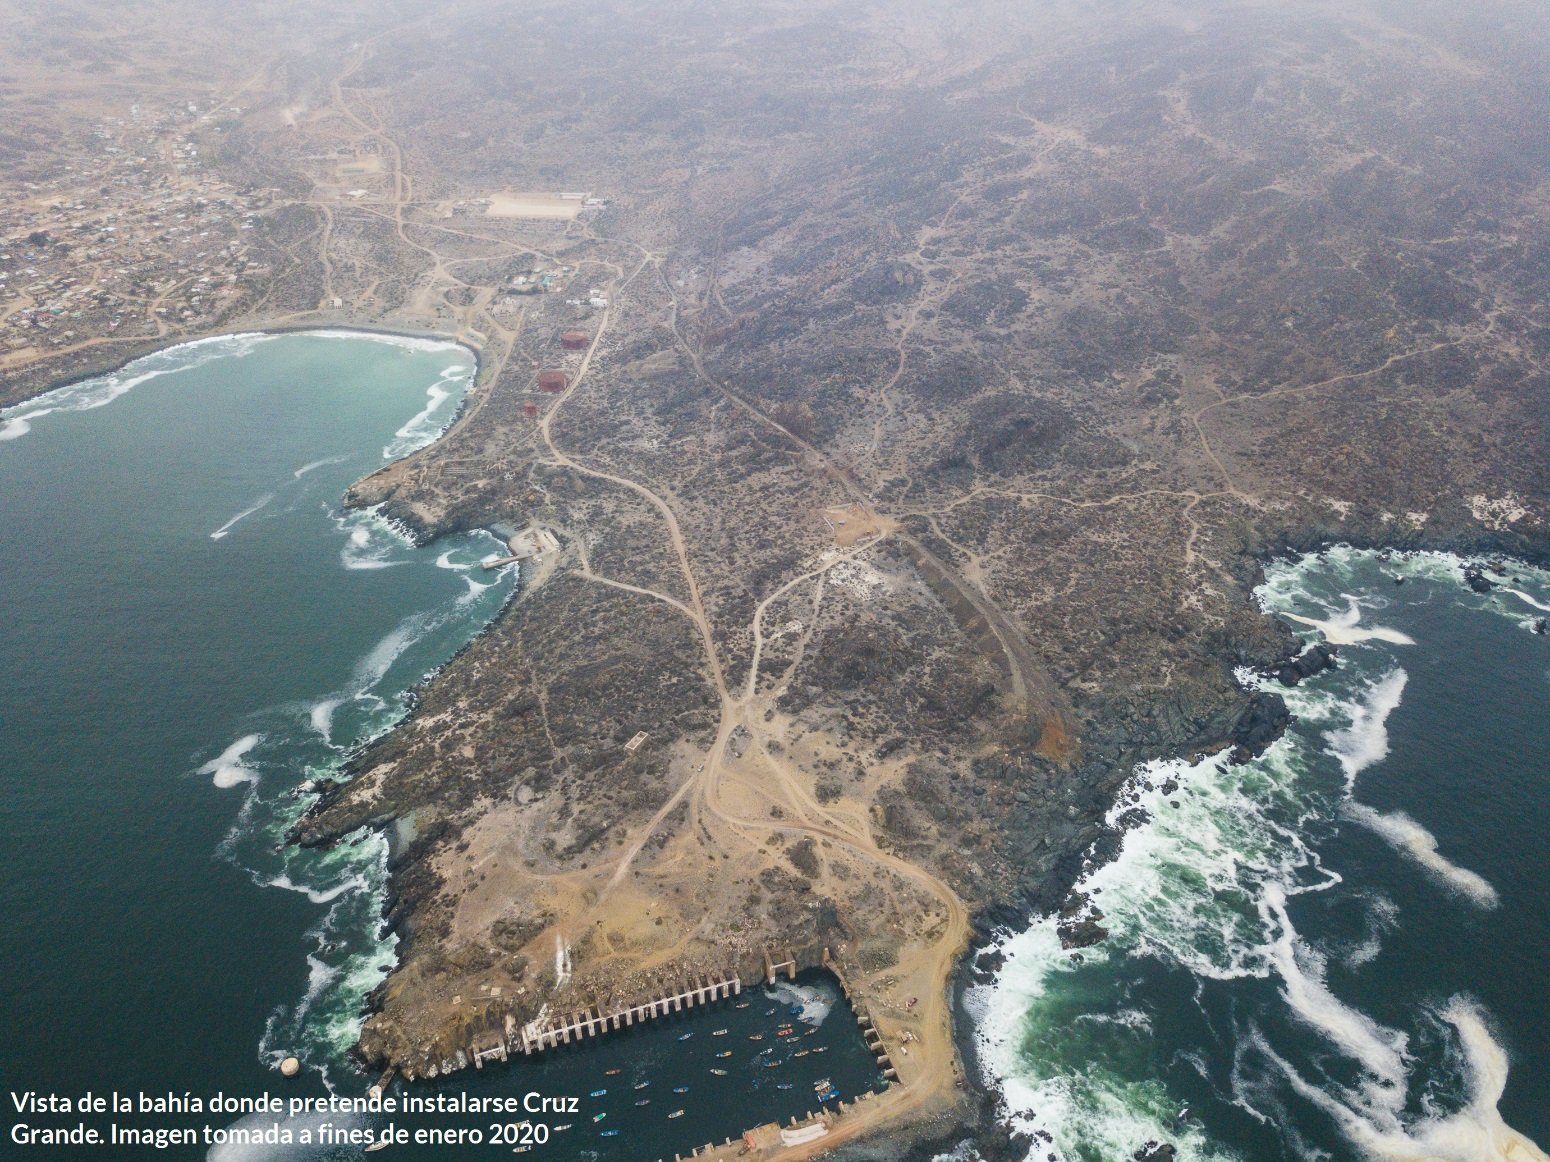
[537, 1036]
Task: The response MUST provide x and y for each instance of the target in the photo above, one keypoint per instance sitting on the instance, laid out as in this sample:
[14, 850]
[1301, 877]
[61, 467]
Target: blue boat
[680, 1089]
[599, 1092]
[609, 1134]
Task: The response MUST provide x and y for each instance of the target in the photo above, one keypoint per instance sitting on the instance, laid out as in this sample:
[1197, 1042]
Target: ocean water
[1340, 950]
[194, 629]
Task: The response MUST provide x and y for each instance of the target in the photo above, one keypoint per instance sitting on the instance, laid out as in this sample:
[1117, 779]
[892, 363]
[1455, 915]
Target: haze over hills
[945, 377]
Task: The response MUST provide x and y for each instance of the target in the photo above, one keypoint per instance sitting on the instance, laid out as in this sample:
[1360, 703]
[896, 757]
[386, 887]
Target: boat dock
[527, 545]
[541, 1034]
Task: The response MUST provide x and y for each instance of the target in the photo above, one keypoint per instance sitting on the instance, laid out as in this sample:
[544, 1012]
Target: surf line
[244, 514]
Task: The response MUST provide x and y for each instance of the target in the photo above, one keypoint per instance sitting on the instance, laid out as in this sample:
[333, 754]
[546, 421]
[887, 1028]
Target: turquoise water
[1340, 950]
[194, 629]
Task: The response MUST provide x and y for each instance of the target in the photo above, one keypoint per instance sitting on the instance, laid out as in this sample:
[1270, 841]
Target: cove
[194, 627]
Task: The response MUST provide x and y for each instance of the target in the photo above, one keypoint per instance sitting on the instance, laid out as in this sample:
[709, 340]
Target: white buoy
[290, 1067]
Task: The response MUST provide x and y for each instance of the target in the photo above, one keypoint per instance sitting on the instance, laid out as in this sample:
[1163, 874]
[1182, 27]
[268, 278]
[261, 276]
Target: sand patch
[550, 206]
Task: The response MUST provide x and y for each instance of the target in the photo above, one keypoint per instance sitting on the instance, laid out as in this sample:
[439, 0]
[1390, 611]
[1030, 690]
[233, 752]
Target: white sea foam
[403, 342]
[1528, 600]
[816, 1001]
[252, 1125]
[1345, 629]
[1474, 1133]
[355, 883]
[364, 548]
[322, 717]
[244, 514]
[1382, 916]
[1379, 1050]
[226, 768]
[319, 977]
[1366, 740]
[1412, 840]
[422, 428]
[1205, 887]
[306, 468]
[102, 390]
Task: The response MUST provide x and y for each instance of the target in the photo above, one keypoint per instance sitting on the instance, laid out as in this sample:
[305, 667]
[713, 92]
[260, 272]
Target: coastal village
[135, 239]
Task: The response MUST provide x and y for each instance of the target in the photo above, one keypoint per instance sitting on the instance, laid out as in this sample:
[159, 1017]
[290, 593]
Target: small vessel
[801, 1053]
[785, 1028]
[675, 1114]
[645, 1101]
[642, 1084]
[599, 1117]
[612, 1072]
[719, 1033]
[810, 1032]
[719, 1072]
[609, 1134]
[561, 1129]
[741, 1005]
[756, 1037]
[680, 1089]
[820, 1048]
[383, 1144]
[523, 1149]
[791, 1040]
[725, 1053]
[795, 1010]
[784, 1085]
[769, 1012]
[597, 1093]
[773, 1064]
[685, 1036]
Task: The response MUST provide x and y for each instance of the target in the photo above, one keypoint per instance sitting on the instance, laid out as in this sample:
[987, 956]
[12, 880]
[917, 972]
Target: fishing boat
[725, 1053]
[645, 1101]
[756, 1037]
[719, 1033]
[773, 1064]
[810, 1032]
[522, 1149]
[612, 1072]
[719, 1072]
[791, 1040]
[609, 1134]
[675, 1114]
[381, 1144]
[801, 1053]
[642, 1084]
[598, 1092]
[599, 1117]
[685, 1036]
[784, 1085]
[769, 1012]
[680, 1089]
[820, 1048]
[562, 1128]
[741, 1005]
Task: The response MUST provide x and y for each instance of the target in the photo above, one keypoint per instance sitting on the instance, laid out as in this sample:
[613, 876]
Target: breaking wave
[1203, 891]
[101, 390]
